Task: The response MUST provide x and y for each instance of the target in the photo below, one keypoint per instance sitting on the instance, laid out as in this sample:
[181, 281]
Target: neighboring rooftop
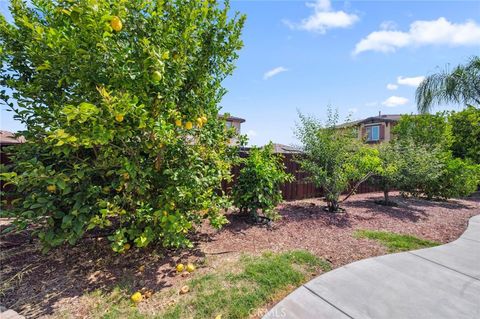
[8, 138]
[284, 149]
[378, 118]
[235, 119]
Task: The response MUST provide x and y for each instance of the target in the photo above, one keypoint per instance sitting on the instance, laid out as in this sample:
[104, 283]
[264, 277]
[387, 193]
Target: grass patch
[396, 242]
[237, 295]
[234, 290]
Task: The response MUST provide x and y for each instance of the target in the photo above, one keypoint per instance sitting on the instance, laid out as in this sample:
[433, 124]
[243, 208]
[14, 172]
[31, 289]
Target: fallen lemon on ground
[180, 267]
[136, 297]
[52, 188]
[188, 125]
[190, 268]
[116, 24]
[184, 290]
[119, 117]
[126, 246]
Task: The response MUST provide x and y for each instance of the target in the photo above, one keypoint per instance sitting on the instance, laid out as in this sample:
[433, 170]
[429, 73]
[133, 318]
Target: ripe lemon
[204, 119]
[126, 246]
[180, 267]
[52, 188]
[165, 213]
[199, 122]
[190, 268]
[178, 123]
[156, 76]
[136, 297]
[119, 117]
[188, 125]
[116, 24]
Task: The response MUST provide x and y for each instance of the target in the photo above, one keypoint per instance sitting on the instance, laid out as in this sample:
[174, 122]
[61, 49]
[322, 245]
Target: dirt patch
[37, 285]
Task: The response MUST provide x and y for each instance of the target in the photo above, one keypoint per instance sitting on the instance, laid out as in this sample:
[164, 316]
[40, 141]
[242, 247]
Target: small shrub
[258, 184]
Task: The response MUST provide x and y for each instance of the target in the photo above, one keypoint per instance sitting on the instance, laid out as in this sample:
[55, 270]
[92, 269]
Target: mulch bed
[37, 285]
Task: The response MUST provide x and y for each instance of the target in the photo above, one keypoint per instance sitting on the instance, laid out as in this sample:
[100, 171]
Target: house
[9, 138]
[236, 122]
[375, 129]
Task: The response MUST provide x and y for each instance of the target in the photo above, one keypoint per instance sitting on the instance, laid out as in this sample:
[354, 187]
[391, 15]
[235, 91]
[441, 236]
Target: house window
[373, 133]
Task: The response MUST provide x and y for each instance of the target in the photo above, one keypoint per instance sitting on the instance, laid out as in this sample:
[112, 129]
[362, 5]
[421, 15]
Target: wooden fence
[300, 188]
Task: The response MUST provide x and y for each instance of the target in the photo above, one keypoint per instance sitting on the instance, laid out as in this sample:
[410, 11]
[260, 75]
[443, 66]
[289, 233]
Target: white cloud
[251, 133]
[433, 32]
[274, 72]
[412, 81]
[324, 18]
[395, 101]
[392, 87]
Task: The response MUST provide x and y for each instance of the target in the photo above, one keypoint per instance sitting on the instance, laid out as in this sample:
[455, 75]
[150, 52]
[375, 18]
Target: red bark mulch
[35, 284]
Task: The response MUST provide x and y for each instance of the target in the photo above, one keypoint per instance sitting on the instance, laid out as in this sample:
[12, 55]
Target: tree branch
[356, 186]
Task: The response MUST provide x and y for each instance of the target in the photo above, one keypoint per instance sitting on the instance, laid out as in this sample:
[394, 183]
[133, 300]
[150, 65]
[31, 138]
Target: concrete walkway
[438, 282]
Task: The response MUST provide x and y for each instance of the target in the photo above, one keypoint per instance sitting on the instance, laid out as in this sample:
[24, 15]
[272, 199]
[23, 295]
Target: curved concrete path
[438, 282]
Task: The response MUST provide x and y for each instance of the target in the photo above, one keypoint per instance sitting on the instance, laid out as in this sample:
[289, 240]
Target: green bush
[466, 133]
[418, 168]
[258, 184]
[120, 100]
[457, 178]
[424, 145]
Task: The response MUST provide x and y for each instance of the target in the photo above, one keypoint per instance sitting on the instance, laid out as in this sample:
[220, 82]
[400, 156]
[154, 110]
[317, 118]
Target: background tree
[333, 157]
[429, 130]
[427, 165]
[460, 85]
[387, 172]
[466, 133]
[418, 167]
[120, 100]
[258, 184]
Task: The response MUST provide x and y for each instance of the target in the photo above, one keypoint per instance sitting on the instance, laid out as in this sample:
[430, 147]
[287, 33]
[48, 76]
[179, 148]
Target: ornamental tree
[333, 157]
[120, 101]
[258, 184]
[387, 172]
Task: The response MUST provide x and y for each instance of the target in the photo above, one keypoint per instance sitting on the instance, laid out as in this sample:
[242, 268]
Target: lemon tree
[120, 100]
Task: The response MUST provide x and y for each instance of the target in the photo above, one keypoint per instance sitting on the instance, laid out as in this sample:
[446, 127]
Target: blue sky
[305, 56]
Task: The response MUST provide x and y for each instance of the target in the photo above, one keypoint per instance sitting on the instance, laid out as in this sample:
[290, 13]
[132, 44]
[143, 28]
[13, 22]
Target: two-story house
[375, 129]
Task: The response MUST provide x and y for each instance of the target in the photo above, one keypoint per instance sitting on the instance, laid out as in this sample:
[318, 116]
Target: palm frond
[459, 86]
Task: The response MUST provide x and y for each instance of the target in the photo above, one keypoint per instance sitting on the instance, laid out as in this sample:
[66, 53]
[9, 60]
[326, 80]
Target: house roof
[8, 138]
[281, 148]
[372, 119]
[235, 119]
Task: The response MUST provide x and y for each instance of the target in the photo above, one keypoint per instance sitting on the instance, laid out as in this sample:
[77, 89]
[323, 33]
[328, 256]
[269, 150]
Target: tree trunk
[332, 206]
[385, 194]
